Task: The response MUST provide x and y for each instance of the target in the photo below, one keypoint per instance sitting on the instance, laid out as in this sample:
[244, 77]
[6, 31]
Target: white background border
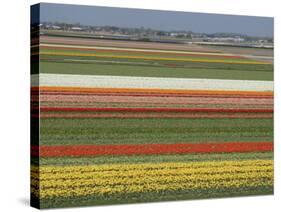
[14, 174]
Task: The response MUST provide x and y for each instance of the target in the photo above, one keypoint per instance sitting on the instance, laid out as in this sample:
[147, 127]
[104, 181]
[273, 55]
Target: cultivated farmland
[129, 121]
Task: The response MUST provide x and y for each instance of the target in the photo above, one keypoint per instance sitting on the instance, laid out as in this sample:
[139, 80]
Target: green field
[141, 131]
[92, 62]
[240, 72]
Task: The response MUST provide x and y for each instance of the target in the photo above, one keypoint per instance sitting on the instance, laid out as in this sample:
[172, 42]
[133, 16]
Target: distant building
[55, 27]
[76, 28]
[173, 34]
[226, 39]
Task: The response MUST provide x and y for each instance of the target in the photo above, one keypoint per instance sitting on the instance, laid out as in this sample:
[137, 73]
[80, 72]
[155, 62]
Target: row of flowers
[125, 167]
[203, 60]
[148, 149]
[126, 178]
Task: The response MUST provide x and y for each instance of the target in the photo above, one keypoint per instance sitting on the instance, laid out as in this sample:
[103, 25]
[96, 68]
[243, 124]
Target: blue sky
[162, 20]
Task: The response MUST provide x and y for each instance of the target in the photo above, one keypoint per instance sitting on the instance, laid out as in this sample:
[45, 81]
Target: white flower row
[69, 80]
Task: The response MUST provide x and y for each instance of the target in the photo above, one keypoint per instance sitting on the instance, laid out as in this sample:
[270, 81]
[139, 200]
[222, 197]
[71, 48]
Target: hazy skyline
[155, 19]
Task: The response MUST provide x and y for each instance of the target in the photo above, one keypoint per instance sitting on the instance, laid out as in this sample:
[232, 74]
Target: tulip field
[131, 121]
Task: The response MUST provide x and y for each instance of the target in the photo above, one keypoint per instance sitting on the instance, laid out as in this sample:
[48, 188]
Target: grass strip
[219, 71]
[66, 161]
[144, 131]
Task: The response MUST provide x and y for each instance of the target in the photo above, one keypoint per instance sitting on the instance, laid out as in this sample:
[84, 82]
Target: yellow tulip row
[169, 178]
[151, 173]
[149, 178]
[148, 187]
[151, 166]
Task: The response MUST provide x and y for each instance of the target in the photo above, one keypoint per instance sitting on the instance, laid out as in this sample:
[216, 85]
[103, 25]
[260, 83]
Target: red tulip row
[149, 149]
